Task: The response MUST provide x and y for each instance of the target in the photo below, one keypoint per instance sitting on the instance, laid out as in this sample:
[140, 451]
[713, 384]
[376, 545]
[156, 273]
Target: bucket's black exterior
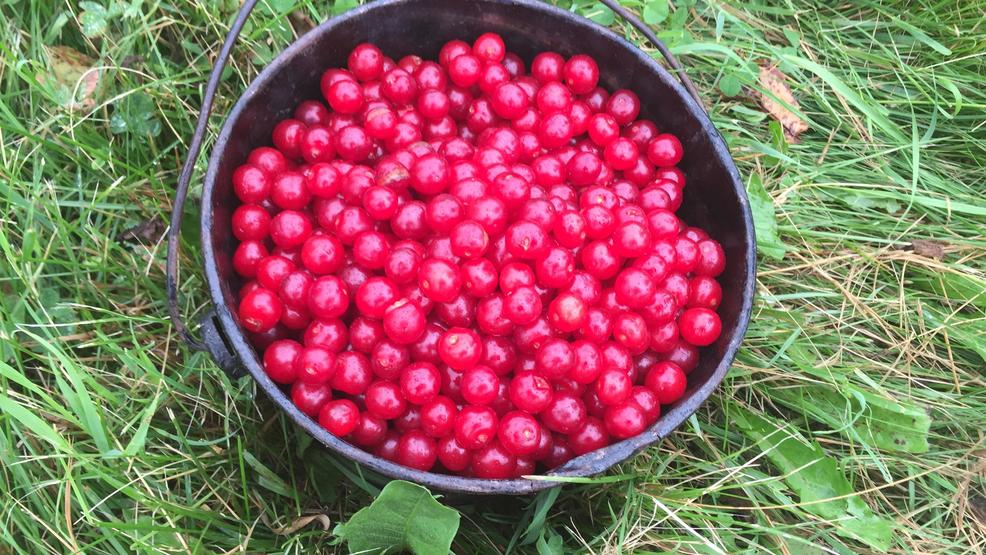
[714, 197]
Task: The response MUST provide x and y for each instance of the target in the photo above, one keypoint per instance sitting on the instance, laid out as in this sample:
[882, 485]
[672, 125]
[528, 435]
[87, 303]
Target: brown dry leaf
[929, 249]
[72, 76]
[301, 522]
[147, 231]
[775, 82]
[300, 22]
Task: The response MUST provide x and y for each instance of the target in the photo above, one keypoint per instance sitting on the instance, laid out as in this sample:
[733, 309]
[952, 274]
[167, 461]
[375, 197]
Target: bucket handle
[677, 69]
[181, 191]
[195, 147]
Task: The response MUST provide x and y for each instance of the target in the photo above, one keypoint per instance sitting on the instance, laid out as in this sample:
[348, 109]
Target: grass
[115, 439]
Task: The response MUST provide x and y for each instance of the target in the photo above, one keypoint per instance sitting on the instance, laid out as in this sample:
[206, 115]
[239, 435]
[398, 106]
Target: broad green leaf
[59, 313]
[967, 332]
[821, 486]
[133, 9]
[93, 19]
[655, 11]
[405, 517]
[764, 219]
[748, 115]
[730, 85]
[792, 36]
[552, 545]
[777, 138]
[864, 201]
[596, 11]
[890, 425]
[136, 114]
[955, 286]
[341, 6]
[281, 6]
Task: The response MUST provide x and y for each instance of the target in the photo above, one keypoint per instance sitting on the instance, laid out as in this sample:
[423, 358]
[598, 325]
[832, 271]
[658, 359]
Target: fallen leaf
[929, 249]
[300, 22]
[777, 100]
[301, 522]
[72, 76]
[147, 231]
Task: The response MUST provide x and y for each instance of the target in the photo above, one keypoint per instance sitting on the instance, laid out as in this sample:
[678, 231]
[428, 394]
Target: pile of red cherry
[462, 267]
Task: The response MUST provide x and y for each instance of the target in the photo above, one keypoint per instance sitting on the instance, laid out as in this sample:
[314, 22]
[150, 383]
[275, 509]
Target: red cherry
[453, 456]
[290, 229]
[315, 365]
[479, 385]
[581, 74]
[416, 450]
[366, 62]
[519, 433]
[370, 431]
[279, 359]
[699, 326]
[647, 401]
[704, 292]
[251, 184]
[564, 414]
[310, 398]
[439, 279]
[493, 461]
[667, 380]
[384, 400]
[665, 150]
[328, 297]
[420, 382]
[311, 112]
[624, 106]
[271, 161]
[272, 270]
[387, 448]
[530, 392]
[489, 47]
[345, 96]
[339, 417]
[260, 310]
[475, 426]
[625, 420]
[352, 374]
[438, 417]
[590, 436]
[460, 348]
